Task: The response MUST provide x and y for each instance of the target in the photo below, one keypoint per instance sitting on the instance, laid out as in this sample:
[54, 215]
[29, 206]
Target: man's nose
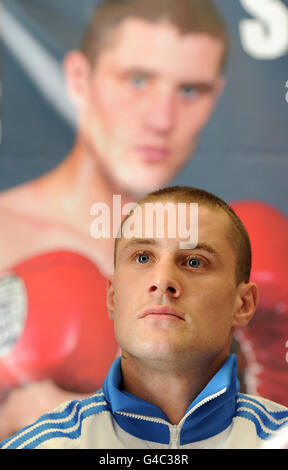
[161, 115]
[166, 283]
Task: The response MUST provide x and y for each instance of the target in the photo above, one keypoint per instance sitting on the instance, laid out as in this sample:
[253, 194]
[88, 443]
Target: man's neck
[171, 390]
[63, 198]
[80, 181]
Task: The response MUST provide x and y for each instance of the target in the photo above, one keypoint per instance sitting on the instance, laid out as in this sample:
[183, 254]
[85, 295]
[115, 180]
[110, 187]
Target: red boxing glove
[54, 323]
[265, 340]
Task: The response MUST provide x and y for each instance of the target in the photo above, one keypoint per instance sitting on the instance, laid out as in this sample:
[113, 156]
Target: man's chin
[140, 187]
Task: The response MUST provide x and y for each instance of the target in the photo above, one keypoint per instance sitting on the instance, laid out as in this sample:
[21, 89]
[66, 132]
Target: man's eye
[138, 81]
[188, 91]
[143, 258]
[195, 263]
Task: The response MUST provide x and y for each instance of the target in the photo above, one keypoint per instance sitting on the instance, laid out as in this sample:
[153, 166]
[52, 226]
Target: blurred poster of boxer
[144, 85]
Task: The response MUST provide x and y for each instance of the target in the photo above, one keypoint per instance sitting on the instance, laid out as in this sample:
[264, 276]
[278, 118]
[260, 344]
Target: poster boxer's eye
[188, 91]
[13, 312]
[138, 80]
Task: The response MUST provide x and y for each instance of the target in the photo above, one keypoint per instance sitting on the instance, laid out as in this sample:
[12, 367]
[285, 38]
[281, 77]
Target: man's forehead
[176, 212]
[135, 243]
[136, 35]
[163, 221]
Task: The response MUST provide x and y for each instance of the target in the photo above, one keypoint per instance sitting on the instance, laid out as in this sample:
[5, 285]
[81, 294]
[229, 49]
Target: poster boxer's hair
[237, 234]
[189, 16]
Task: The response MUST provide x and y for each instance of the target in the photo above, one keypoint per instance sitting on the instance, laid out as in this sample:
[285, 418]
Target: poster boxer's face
[149, 96]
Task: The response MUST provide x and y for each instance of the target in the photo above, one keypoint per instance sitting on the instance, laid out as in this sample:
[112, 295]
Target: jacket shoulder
[267, 416]
[65, 421]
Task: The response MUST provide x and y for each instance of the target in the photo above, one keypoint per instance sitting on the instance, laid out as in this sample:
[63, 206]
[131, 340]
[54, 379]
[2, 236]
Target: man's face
[169, 303]
[149, 96]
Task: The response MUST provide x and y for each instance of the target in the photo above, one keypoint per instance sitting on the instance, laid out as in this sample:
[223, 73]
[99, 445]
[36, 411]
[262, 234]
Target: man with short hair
[174, 310]
[144, 85]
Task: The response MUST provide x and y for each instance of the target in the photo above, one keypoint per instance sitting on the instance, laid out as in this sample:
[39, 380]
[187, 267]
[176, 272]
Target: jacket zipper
[175, 429]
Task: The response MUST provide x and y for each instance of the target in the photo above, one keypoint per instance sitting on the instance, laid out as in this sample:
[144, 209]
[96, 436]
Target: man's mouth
[152, 153]
[163, 311]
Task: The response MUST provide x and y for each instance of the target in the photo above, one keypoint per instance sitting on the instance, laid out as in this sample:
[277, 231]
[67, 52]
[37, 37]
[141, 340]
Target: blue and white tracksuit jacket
[219, 417]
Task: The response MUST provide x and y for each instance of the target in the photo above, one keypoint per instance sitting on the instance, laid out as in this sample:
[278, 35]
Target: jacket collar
[210, 413]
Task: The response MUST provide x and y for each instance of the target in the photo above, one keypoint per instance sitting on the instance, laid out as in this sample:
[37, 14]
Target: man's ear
[78, 71]
[219, 88]
[246, 304]
[110, 295]
[217, 91]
